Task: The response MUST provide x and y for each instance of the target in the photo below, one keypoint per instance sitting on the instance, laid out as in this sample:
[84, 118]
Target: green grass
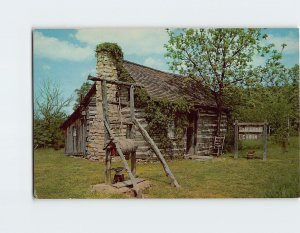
[59, 176]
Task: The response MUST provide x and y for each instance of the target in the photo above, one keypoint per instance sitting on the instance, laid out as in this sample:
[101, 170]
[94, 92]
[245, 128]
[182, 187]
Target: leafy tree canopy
[49, 113]
[81, 92]
[219, 59]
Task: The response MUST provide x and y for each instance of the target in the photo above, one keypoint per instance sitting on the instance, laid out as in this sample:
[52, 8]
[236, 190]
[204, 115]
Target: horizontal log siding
[143, 151]
[207, 127]
[90, 137]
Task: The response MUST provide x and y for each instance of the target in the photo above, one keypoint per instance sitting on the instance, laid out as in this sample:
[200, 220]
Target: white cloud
[289, 39]
[51, 47]
[134, 41]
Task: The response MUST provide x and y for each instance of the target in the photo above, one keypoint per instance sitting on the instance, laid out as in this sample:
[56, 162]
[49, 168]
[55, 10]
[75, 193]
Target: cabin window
[171, 130]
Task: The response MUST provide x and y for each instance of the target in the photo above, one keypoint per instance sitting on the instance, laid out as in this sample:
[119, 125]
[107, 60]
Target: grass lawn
[59, 176]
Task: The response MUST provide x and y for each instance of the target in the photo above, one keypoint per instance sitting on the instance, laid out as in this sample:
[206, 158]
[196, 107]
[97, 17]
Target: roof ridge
[165, 72]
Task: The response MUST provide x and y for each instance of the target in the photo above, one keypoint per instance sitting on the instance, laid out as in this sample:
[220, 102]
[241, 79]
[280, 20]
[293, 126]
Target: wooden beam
[265, 141]
[196, 133]
[132, 116]
[133, 163]
[157, 152]
[131, 101]
[127, 183]
[124, 104]
[106, 135]
[236, 139]
[131, 176]
[92, 78]
[251, 124]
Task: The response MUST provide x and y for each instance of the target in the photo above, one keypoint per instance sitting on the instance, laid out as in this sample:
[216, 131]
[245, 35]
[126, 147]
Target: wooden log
[133, 163]
[107, 166]
[131, 176]
[265, 133]
[127, 183]
[113, 81]
[236, 139]
[157, 152]
[131, 102]
[106, 134]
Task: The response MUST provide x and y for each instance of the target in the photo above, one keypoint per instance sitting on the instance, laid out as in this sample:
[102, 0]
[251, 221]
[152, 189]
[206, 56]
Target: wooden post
[236, 139]
[131, 136]
[131, 176]
[265, 141]
[106, 135]
[131, 102]
[288, 129]
[160, 157]
[133, 163]
[196, 133]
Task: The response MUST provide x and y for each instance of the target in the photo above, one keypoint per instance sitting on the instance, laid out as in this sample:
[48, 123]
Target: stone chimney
[106, 69]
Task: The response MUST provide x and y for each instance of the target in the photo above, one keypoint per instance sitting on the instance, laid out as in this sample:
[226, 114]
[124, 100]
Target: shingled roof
[77, 113]
[160, 84]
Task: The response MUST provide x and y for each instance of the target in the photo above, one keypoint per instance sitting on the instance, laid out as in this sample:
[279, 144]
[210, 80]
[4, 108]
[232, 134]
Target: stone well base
[109, 189]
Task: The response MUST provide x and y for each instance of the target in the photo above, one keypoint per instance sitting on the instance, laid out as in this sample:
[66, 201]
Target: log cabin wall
[207, 127]
[143, 150]
[75, 136]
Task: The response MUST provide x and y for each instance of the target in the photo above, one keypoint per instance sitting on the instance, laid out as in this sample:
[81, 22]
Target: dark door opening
[191, 134]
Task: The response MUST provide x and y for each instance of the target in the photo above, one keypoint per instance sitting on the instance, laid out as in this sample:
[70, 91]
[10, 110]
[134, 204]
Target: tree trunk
[219, 103]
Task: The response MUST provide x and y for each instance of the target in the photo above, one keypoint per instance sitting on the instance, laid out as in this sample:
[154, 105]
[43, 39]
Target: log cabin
[84, 129]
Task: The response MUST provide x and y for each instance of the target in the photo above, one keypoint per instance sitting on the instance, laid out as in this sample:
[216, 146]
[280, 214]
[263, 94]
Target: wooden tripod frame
[109, 136]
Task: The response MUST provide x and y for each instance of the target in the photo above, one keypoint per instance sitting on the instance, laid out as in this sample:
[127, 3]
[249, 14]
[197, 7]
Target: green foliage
[49, 114]
[116, 54]
[46, 133]
[160, 114]
[216, 58]
[81, 92]
[112, 48]
[274, 99]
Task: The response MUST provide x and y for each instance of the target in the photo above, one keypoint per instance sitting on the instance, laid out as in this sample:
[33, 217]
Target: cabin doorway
[191, 133]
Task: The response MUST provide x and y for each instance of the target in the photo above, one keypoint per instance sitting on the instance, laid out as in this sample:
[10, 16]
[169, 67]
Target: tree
[49, 113]
[215, 58]
[274, 98]
[81, 92]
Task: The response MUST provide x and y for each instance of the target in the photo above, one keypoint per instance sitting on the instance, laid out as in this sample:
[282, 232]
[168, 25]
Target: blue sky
[66, 56]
